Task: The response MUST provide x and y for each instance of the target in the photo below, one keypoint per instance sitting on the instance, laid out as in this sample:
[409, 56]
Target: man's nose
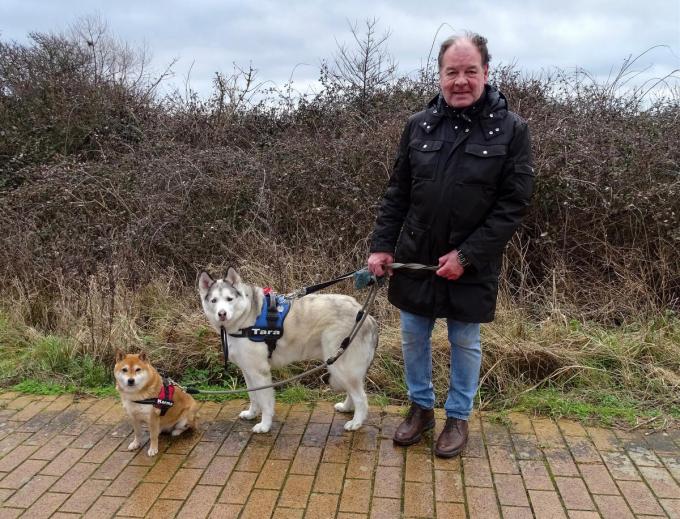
[131, 382]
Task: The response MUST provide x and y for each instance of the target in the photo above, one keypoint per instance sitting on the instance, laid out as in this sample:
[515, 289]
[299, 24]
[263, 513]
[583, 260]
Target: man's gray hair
[477, 40]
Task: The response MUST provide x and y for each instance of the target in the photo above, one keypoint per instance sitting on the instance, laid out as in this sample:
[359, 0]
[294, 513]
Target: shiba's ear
[232, 276]
[119, 355]
[204, 283]
[142, 357]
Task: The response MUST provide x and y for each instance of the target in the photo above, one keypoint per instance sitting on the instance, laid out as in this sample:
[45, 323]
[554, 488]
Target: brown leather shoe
[452, 439]
[416, 423]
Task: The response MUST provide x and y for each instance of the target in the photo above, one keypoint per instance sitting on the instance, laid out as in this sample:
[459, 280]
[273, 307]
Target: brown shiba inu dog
[164, 408]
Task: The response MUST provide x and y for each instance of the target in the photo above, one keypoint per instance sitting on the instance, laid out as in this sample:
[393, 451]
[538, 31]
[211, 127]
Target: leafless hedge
[99, 172]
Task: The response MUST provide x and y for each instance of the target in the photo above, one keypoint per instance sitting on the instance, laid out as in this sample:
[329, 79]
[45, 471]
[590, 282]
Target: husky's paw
[261, 428]
[352, 425]
[152, 451]
[134, 445]
[248, 414]
[342, 408]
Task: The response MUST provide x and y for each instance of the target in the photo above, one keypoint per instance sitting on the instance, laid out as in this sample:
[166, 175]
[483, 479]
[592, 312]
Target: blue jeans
[466, 359]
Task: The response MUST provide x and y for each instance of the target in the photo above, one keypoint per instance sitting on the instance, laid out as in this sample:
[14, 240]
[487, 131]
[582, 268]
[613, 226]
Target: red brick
[141, 500]
[640, 498]
[164, 469]
[201, 456]
[449, 511]
[502, 459]
[561, 463]
[546, 505]
[285, 447]
[527, 447]
[181, 484]
[476, 472]
[390, 454]
[482, 503]
[598, 479]
[604, 439]
[315, 435]
[520, 424]
[22, 474]
[571, 428]
[260, 504]
[336, 450]
[114, 465]
[30, 492]
[296, 491]
[253, 458]
[418, 499]
[382, 508]
[583, 450]
[496, 434]
[164, 509]
[620, 466]
[535, 475]
[643, 457]
[218, 471]
[510, 490]
[306, 461]
[52, 448]
[448, 486]
[126, 481]
[16, 457]
[238, 487]
[102, 450]
[366, 438]
[547, 433]
[574, 493]
[361, 465]
[613, 507]
[224, 511]
[74, 477]
[105, 507]
[63, 462]
[84, 497]
[200, 502]
[329, 478]
[320, 506]
[660, 481]
[46, 505]
[514, 512]
[356, 495]
[388, 482]
[672, 507]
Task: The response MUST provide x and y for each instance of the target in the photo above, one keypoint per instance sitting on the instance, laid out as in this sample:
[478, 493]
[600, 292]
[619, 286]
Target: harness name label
[264, 331]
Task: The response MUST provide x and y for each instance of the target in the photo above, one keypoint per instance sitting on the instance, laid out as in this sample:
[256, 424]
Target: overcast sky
[284, 38]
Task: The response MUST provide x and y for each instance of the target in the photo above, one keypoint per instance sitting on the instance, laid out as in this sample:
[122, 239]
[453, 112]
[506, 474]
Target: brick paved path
[62, 457]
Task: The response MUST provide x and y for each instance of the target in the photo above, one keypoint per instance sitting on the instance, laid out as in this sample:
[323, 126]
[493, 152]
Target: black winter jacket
[460, 181]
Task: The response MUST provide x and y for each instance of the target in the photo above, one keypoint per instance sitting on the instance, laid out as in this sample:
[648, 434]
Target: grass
[556, 367]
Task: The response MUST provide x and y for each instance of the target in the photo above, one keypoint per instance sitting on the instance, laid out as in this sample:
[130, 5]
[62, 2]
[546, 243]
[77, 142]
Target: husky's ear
[119, 355]
[204, 283]
[142, 357]
[233, 277]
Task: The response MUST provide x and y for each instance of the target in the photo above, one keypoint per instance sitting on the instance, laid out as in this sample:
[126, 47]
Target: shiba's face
[131, 371]
[224, 300]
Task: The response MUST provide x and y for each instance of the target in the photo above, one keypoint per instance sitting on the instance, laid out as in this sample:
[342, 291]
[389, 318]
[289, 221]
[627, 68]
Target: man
[461, 183]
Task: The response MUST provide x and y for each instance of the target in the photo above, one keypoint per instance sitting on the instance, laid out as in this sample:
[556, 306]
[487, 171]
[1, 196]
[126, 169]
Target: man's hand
[377, 262]
[449, 266]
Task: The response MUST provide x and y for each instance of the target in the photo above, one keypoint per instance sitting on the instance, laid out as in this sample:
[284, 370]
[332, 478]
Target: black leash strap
[319, 286]
[225, 347]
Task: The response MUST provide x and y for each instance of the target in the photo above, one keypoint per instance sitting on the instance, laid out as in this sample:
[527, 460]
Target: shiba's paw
[152, 451]
[134, 445]
[342, 408]
[177, 432]
[261, 428]
[352, 425]
[248, 414]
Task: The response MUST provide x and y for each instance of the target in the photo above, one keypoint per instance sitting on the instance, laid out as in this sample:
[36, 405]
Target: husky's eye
[124, 370]
[213, 300]
[230, 298]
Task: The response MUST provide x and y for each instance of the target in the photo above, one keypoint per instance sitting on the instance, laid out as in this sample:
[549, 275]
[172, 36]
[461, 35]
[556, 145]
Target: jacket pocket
[424, 158]
[471, 203]
[486, 150]
[411, 244]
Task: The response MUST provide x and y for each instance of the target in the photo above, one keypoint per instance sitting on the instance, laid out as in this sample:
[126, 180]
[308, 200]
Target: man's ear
[204, 283]
[119, 355]
[486, 73]
[233, 277]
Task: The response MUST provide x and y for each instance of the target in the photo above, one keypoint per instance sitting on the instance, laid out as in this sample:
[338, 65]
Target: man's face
[462, 76]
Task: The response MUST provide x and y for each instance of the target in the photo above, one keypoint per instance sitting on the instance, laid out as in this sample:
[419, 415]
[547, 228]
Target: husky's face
[224, 300]
[131, 371]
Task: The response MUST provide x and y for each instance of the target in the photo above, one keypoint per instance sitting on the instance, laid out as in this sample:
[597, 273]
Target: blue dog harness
[268, 326]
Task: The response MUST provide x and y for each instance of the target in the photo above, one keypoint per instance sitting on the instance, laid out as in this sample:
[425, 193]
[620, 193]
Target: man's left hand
[449, 266]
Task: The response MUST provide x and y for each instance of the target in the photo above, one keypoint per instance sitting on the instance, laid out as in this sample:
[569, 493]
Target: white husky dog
[314, 329]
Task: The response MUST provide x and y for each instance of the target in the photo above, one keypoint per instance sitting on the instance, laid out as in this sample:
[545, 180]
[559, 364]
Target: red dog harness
[164, 400]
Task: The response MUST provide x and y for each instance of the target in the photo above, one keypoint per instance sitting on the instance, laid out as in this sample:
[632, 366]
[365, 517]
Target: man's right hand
[377, 262]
